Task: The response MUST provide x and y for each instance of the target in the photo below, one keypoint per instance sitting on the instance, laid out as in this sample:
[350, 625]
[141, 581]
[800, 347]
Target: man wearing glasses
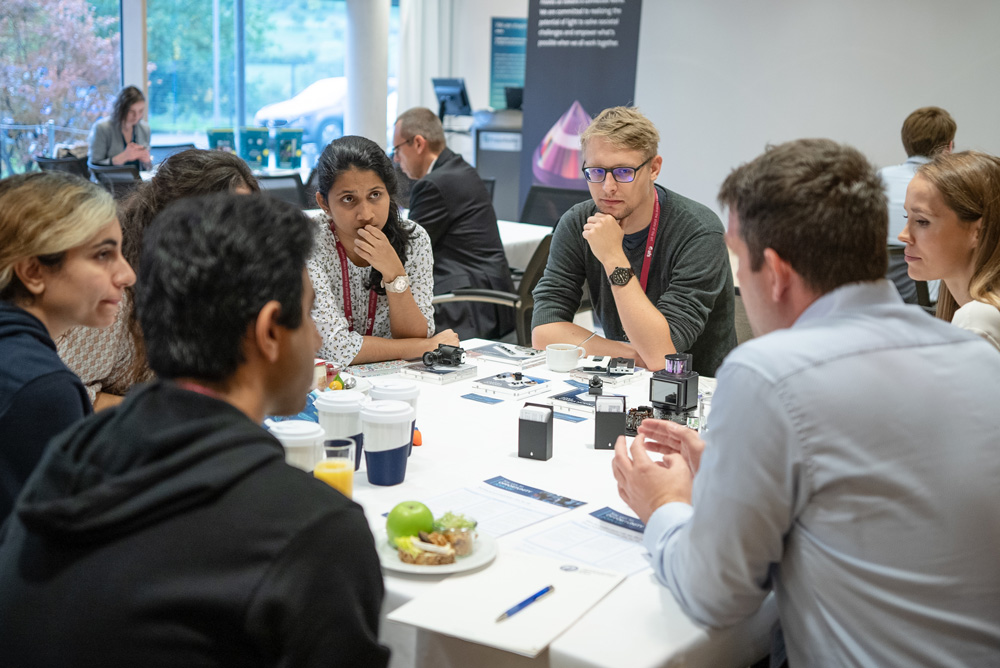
[655, 261]
[451, 202]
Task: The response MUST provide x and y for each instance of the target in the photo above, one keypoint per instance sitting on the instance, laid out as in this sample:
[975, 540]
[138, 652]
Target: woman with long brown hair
[952, 233]
[123, 137]
[111, 361]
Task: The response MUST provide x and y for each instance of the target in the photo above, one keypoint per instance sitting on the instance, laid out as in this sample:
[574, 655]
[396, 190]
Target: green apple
[408, 519]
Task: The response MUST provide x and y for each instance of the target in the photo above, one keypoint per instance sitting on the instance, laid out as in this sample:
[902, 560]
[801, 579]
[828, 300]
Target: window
[61, 72]
[293, 67]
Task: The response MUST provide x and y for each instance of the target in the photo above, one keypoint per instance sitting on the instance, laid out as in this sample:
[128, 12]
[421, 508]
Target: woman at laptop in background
[123, 137]
[952, 233]
[372, 270]
[60, 266]
[110, 361]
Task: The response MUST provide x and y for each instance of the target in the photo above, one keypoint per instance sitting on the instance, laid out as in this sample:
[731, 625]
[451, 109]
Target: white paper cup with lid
[302, 440]
[387, 428]
[340, 416]
[398, 389]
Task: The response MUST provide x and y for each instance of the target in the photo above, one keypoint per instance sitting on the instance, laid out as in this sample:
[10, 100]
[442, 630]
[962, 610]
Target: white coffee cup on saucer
[563, 357]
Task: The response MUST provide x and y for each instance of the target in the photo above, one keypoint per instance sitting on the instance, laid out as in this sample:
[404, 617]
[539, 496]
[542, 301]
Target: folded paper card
[467, 606]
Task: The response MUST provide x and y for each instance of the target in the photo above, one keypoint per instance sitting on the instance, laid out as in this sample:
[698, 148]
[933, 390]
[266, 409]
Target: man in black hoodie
[169, 531]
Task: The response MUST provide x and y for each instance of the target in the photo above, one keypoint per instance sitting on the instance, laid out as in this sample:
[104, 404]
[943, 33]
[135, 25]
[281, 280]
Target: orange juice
[337, 473]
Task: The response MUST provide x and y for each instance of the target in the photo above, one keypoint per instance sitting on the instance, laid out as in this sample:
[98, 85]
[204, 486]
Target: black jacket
[452, 204]
[170, 532]
[39, 397]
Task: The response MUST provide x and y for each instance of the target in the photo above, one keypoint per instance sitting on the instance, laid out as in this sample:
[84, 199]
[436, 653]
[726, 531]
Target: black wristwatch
[621, 275]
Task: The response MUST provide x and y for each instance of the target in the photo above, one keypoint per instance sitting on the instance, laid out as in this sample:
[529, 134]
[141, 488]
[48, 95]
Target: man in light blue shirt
[926, 132]
[851, 465]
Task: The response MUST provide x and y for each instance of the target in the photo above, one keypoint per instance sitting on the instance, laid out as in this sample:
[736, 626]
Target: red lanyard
[650, 239]
[200, 389]
[346, 280]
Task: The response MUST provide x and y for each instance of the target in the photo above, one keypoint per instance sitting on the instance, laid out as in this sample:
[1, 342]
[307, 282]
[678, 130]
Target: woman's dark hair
[209, 265]
[353, 152]
[186, 174]
[128, 96]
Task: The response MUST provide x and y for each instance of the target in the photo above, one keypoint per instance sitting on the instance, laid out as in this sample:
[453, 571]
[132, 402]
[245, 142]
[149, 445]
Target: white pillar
[367, 68]
[133, 44]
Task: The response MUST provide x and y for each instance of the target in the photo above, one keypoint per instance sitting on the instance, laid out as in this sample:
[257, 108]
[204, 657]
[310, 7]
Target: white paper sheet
[503, 507]
[467, 606]
[588, 540]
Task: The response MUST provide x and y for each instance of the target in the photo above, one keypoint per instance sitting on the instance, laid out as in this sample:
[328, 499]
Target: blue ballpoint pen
[526, 602]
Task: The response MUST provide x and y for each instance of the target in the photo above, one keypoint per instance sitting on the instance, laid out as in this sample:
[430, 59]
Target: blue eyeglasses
[620, 174]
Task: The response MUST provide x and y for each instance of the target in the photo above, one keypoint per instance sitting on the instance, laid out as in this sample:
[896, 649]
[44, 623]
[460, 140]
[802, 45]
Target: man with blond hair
[655, 261]
[450, 201]
[926, 132]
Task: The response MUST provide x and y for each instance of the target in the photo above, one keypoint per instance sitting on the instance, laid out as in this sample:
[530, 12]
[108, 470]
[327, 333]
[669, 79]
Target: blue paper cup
[387, 428]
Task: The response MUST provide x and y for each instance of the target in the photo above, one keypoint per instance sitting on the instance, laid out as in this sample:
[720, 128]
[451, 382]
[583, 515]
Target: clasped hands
[138, 152]
[645, 484]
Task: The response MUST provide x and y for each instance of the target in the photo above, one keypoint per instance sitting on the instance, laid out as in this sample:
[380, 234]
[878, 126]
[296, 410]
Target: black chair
[743, 331]
[119, 180]
[522, 301]
[161, 153]
[76, 166]
[287, 187]
[545, 205]
[491, 185]
[311, 187]
[899, 278]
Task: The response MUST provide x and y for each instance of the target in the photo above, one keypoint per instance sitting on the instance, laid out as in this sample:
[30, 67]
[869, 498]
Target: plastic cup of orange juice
[336, 468]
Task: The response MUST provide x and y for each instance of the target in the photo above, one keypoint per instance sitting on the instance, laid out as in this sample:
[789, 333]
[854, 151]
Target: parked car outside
[318, 110]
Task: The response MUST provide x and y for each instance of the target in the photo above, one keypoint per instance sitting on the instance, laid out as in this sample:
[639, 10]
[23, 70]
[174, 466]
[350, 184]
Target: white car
[318, 110]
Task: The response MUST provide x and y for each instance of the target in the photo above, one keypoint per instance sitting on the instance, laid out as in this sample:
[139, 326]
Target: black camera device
[674, 390]
[444, 355]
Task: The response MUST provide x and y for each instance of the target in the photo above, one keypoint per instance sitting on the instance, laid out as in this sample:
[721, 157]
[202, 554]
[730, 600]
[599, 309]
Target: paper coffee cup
[387, 426]
[340, 416]
[302, 440]
[398, 390]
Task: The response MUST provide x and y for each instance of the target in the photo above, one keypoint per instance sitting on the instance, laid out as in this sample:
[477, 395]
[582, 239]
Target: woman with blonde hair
[110, 361]
[60, 266]
[952, 233]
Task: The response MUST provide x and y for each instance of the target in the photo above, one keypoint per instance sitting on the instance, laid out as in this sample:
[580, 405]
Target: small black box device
[609, 421]
[534, 432]
[674, 390]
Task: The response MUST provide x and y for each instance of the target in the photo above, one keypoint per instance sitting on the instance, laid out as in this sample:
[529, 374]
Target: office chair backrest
[491, 185]
[119, 180]
[76, 166]
[287, 187]
[532, 274]
[743, 331]
[545, 205]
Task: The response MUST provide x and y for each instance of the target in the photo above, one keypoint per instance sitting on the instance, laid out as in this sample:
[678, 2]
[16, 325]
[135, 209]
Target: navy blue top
[39, 397]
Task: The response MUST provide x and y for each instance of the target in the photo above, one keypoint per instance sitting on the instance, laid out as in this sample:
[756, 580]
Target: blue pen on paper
[526, 602]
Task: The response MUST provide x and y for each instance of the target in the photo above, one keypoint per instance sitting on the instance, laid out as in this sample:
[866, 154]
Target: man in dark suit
[450, 201]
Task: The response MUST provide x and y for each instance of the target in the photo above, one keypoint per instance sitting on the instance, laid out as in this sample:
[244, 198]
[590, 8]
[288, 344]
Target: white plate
[484, 551]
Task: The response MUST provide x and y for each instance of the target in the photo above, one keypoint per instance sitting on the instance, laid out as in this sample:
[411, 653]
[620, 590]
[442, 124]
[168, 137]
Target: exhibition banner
[580, 59]
[506, 58]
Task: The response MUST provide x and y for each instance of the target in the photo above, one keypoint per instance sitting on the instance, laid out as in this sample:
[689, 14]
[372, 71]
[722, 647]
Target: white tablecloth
[465, 442]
